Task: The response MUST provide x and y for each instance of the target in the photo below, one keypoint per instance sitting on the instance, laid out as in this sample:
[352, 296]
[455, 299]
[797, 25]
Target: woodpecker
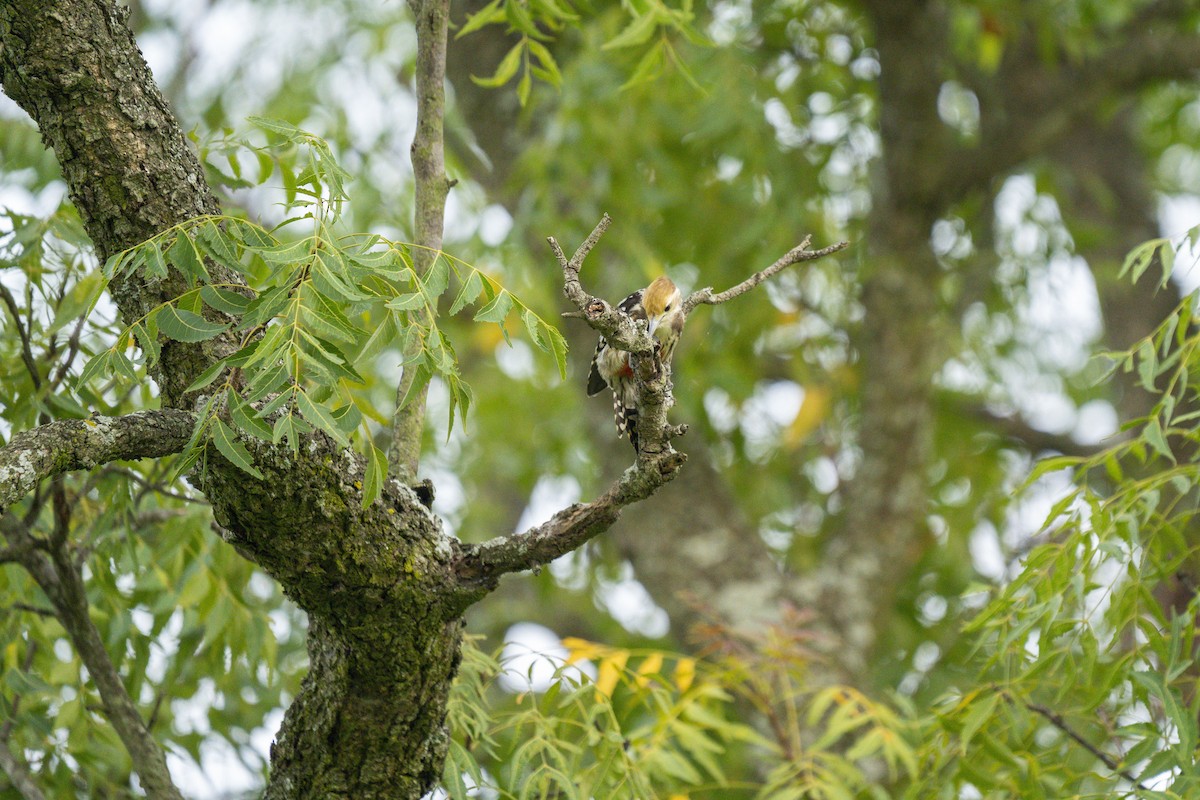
[661, 306]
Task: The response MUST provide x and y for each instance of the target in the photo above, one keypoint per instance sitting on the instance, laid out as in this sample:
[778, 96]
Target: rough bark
[57, 447]
[75, 68]
[369, 722]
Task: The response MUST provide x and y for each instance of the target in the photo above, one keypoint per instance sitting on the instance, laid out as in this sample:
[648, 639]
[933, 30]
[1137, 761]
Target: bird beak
[651, 325]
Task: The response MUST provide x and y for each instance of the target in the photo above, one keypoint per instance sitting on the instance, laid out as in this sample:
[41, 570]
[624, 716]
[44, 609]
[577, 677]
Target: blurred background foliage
[716, 139]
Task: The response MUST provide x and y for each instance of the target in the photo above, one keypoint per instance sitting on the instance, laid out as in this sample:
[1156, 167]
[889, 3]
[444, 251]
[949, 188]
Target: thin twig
[1057, 721]
[32, 609]
[26, 350]
[794, 256]
[154, 486]
[69, 357]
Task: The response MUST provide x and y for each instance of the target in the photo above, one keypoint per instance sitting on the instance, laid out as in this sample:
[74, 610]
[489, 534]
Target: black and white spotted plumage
[660, 305]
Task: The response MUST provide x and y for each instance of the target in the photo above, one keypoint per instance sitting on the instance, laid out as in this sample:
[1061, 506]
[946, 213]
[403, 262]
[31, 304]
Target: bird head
[663, 303]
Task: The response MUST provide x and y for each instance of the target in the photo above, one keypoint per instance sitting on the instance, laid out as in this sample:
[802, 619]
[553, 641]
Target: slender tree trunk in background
[883, 530]
[429, 170]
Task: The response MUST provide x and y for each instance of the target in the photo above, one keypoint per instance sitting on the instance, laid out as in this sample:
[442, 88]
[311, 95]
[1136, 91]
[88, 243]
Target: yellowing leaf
[651, 666]
[685, 673]
[610, 672]
[991, 51]
[581, 649]
[813, 411]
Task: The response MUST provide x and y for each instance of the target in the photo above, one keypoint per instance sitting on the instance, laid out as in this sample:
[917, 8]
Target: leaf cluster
[310, 311]
[1087, 679]
[536, 23]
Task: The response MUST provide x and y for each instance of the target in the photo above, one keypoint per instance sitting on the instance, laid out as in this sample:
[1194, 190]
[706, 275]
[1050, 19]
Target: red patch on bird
[626, 370]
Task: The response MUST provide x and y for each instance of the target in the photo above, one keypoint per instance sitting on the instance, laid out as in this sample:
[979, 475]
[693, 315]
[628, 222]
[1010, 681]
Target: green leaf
[98, 364]
[461, 398]
[375, 475]
[1166, 255]
[491, 13]
[470, 291]
[156, 265]
[218, 246]
[329, 277]
[265, 307]
[637, 32]
[80, 301]
[552, 74]
[326, 318]
[116, 263]
[183, 256]
[437, 279]
[531, 326]
[497, 310]
[269, 348]
[420, 379]
[325, 355]
[1054, 464]
[382, 335]
[649, 68]
[224, 300]
[1153, 434]
[980, 713]
[320, 417]
[506, 69]
[285, 129]
[524, 87]
[250, 235]
[520, 19]
[287, 252]
[246, 420]
[558, 345]
[184, 326]
[236, 452]
[407, 302]
[292, 428]
[208, 376]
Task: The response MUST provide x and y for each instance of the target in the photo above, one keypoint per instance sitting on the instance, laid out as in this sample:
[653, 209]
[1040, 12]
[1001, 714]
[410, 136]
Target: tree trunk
[384, 606]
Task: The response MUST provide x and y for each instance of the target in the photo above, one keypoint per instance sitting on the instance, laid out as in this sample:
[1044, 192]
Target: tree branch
[432, 186]
[1057, 721]
[18, 774]
[59, 577]
[658, 463]
[26, 351]
[1016, 428]
[65, 445]
[794, 256]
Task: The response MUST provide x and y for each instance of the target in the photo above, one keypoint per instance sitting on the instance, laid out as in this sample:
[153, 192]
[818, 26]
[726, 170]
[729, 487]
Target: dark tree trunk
[384, 608]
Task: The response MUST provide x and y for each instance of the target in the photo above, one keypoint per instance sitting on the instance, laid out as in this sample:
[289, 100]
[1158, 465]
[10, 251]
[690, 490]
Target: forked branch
[480, 566]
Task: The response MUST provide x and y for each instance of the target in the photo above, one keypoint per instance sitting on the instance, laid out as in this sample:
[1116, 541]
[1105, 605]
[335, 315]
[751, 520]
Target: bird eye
[668, 308]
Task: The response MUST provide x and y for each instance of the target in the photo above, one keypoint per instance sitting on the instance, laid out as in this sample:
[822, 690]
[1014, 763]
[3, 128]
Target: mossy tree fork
[384, 587]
